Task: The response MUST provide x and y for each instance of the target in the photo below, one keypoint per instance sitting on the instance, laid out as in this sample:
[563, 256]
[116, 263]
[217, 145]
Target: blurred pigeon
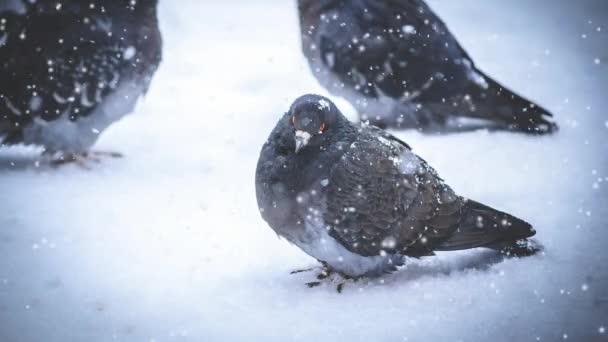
[399, 66]
[359, 200]
[70, 69]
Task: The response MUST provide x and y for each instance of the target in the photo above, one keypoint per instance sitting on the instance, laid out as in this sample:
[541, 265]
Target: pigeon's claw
[330, 277]
[302, 271]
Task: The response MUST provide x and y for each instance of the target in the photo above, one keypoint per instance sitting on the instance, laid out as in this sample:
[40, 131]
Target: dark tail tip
[12, 138]
[516, 112]
[534, 120]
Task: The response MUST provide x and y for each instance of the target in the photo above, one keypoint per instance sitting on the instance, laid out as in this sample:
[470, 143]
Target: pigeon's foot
[81, 159]
[339, 287]
[327, 276]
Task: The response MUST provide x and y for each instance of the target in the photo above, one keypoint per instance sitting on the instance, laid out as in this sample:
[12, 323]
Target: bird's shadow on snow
[18, 160]
[481, 260]
[445, 264]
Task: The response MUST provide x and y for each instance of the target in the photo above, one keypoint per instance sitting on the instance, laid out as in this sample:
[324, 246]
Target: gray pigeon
[359, 200]
[70, 69]
[400, 66]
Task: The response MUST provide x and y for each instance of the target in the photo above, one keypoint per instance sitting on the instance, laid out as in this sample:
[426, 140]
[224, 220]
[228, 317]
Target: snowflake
[324, 105]
[389, 242]
[409, 29]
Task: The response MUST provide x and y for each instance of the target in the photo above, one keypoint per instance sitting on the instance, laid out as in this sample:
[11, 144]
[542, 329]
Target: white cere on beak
[302, 138]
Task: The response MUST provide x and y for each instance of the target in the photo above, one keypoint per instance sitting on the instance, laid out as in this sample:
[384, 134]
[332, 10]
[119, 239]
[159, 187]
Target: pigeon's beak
[302, 139]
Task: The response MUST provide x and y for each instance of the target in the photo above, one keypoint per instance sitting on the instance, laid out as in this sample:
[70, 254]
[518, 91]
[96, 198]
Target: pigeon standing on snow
[399, 66]
[70, 69]
[359, 200]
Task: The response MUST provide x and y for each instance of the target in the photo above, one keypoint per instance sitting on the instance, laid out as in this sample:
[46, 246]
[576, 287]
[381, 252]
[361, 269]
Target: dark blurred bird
[399, 66]
[70, 69]
[359, 200]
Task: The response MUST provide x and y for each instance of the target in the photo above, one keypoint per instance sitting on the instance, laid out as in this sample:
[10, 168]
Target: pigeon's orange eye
[323, 127]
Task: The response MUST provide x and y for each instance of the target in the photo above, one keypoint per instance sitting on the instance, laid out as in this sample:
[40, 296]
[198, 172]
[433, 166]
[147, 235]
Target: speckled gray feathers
[70, 69]
[400, 66]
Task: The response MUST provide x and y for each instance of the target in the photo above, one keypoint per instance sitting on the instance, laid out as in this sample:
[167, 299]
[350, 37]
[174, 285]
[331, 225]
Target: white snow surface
[167, 243]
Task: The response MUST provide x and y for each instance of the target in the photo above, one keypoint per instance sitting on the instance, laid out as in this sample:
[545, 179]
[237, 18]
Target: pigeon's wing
[384, 134]
[57, 63]
[391, 48]
[382, 197]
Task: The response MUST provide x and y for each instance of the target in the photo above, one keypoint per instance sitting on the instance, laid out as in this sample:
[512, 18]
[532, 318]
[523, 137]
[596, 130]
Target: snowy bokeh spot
[408, 29]
[324, 105]
[129, 53]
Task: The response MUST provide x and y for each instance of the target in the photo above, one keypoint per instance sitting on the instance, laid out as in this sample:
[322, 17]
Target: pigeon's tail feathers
[501, 105]
[483, 226]
[11, 138]
[9, 135]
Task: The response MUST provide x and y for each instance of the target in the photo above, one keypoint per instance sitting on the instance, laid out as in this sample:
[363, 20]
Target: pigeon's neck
[315, 163]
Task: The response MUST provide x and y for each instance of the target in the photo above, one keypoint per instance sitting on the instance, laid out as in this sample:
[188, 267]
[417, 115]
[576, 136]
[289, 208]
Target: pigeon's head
[312, 117]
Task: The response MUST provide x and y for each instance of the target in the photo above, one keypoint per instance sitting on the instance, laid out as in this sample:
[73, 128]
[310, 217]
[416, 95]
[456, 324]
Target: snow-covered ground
[167, 243]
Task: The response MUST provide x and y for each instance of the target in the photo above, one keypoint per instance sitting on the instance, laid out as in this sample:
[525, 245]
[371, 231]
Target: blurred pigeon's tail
[483, 226]
[499, 104]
